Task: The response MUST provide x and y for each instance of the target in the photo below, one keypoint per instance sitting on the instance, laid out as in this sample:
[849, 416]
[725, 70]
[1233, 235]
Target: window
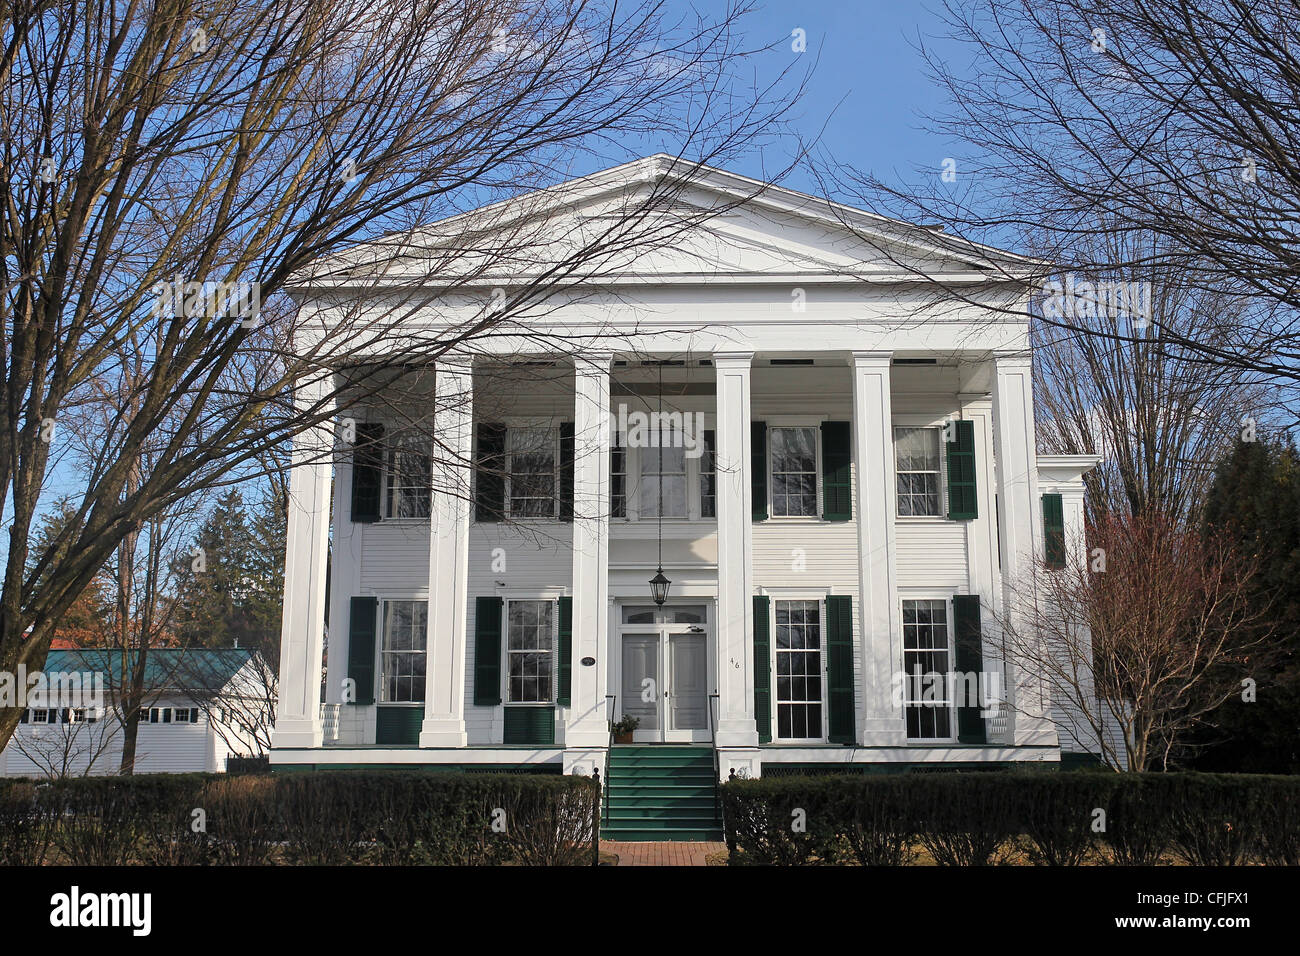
[708, 478]
[160, 715]
[187, 715]
[617, 481]
[794, 471]
[402, 653]
[41, 716]
[916, 453]
[928, 700]
[671, 475]
[668, 614]
[798, 670]
[409, 483]
[529, 643]
[531, 472]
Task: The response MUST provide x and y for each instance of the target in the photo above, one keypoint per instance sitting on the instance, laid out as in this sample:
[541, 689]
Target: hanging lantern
[659, 587]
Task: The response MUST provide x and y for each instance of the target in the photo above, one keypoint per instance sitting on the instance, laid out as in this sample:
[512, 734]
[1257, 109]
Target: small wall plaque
[588, 662]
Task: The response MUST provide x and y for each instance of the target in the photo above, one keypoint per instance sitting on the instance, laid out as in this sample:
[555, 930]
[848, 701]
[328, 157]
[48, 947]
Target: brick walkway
[666, 853]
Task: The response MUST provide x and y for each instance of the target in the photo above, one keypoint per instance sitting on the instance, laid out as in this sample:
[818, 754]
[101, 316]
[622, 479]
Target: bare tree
[172, 172]
[1135, 649]
[73, 745]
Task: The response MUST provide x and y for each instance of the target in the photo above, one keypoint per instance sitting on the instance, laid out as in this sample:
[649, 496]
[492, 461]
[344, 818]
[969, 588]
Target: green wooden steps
[661, 792]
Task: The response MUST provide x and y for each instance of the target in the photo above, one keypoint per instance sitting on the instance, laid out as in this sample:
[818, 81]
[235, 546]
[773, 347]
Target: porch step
[661, 792]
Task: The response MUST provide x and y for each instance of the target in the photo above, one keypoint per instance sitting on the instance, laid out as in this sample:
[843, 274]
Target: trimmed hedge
[1045, 818]
[341, 817]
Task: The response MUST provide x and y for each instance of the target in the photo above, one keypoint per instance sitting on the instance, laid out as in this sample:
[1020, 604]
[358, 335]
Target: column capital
[732, 359]
[870, 359]
[1016, 359]
[592, 363]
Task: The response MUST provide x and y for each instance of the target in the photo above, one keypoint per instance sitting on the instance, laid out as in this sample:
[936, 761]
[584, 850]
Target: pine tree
[1255, 498]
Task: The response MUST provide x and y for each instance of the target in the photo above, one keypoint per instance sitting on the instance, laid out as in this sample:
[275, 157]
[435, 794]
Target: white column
[444, 700]
[586, 725]
[1020, 524]
[736, 727]
[302, 628]
[881, 719]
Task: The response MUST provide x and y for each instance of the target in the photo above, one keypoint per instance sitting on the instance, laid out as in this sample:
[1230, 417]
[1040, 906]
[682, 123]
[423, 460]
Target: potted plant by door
[623, 729]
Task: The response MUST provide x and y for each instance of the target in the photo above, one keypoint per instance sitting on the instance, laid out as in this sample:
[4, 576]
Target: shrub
[26, 824]
[1056, 813]
[243, 825]
[965, 819]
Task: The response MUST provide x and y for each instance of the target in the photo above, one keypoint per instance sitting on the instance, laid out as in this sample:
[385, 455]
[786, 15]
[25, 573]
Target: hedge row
[975, 819]
[387, 817]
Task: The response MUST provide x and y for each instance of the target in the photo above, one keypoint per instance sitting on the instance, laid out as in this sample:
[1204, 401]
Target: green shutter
[489, 472]
[1053, 532]
[839, 669]
[758, 468]
[487, 650]
[367, 472]
[565, 693]
[532, 726]
[566, 471]
[398, 725]
[762, 668]
[962, 498]
[837, 502]
[970, 660]
[361, 647]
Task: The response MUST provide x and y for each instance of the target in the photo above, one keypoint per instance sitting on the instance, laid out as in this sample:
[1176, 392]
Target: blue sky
[869, 80]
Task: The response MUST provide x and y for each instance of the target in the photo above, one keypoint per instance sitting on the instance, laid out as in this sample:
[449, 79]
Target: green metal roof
[200, 668]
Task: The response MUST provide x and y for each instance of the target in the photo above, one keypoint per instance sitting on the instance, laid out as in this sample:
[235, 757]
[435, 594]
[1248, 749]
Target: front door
[665, 672]
[639, 694]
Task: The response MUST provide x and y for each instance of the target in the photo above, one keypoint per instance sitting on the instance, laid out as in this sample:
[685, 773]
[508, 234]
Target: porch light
[659, 587]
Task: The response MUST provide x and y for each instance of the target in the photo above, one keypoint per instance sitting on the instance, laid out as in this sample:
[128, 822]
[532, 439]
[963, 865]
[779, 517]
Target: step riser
[657, 793]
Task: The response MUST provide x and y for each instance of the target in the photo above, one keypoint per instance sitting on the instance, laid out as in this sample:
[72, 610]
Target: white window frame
[529, 598]
[377, 692]
[391, 449]
[632, 479]
[944, 600]
[915, 422]
[819, 599]
[513, 427]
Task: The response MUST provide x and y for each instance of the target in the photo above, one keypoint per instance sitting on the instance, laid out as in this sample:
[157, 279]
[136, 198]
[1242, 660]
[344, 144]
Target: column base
[1034, 731]
[586, 735]
[736, 733]
[297, 733]
[884, 732]
[584, 761]
[746, 762]
[443, 732]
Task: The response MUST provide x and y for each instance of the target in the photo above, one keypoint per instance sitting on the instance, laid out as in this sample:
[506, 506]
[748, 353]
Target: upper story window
[708, 478]
[794, 471]
[916, 460]
[617, 481]
[531, 472]
[530, 640]
[663, 467]
[408, 487]
[403, 651]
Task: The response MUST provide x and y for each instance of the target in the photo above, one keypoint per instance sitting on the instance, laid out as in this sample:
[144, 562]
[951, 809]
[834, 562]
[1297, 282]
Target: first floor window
[928, 700]
[529, 643]
[794, 471]
[402, 655]
[409, 483]
[532, 472]
[798, 670]
[916, 459]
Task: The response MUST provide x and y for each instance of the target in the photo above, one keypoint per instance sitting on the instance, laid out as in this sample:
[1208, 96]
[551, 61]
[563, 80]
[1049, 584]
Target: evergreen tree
[1255, 498]
[231, 584]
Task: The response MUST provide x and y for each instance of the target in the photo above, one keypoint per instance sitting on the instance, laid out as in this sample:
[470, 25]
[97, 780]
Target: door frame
[665, 632]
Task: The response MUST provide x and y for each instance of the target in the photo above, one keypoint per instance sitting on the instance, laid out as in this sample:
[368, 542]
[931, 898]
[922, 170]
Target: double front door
[665, 671]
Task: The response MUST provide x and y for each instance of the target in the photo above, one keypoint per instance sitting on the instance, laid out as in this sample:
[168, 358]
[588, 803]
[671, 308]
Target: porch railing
[611, 708]
[717, 764]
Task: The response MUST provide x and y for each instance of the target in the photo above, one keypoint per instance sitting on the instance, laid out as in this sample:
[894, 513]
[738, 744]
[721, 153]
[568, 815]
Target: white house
[847, 479]
[202, 706]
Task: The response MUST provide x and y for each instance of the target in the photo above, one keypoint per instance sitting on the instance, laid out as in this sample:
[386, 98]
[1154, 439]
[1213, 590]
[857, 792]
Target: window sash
[792, 452]
[409, 483]
[403, 652]
[798, 649]
[927, 647]
[530, 652]
[917, 461]
[708, 477]
[671, 473]
[532, 472]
